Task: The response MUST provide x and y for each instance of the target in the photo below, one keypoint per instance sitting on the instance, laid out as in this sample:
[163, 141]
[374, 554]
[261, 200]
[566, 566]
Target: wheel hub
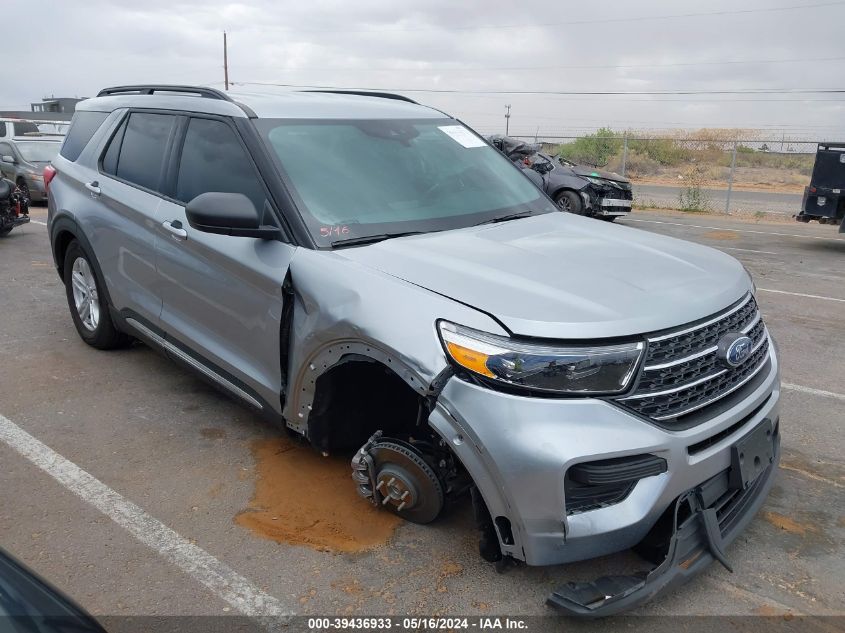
[393, 474]
[396, 488]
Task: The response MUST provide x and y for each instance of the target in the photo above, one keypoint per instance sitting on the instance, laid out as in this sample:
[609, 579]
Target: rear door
[124, 203]
[222, 295]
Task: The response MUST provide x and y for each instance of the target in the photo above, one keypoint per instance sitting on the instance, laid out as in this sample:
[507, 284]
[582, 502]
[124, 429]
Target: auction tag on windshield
[462, 135]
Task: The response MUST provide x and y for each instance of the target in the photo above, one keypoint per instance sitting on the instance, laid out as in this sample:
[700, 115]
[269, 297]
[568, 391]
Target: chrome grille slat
[715, 319]
[682, 373]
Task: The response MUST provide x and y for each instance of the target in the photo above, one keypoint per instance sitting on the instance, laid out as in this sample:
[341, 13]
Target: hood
[585, 170]
[566, 277]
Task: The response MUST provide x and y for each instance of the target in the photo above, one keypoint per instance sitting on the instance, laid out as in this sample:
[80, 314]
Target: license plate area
[752, 455]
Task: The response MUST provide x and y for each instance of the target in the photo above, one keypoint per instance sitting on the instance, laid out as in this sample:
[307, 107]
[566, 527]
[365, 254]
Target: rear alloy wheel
[570, 202]
[87, 304]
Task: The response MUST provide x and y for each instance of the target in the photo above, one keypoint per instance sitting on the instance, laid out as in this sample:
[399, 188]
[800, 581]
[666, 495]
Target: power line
[477, 27]
[566, 67]
[746, 91]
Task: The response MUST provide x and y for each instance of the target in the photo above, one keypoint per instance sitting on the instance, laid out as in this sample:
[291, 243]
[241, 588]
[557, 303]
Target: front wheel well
[359, 396]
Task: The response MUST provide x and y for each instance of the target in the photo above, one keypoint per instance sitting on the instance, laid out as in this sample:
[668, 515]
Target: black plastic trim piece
[367, 93]
[150, 89]
[618, 469]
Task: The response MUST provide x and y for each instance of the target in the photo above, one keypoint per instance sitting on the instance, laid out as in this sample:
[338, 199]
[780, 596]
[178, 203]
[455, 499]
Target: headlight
[595, 181]
[564, 370]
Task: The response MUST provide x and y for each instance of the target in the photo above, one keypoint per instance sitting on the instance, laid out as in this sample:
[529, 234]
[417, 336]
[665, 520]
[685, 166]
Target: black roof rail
[149, 89]
[367, 93]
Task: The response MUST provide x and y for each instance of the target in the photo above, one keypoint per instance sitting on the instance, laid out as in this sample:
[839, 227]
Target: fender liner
[298, 407]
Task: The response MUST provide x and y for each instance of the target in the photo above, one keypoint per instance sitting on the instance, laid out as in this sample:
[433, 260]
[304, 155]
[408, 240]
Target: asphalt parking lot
[167, 502]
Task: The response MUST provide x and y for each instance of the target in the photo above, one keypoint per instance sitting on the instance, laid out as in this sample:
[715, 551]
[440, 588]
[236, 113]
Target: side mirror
[228, 214]
[6, 158]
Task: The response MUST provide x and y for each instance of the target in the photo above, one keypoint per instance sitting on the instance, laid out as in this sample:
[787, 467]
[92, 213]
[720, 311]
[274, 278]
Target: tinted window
[109, 164]
[25, 127]
[2, 128]
[143, 148]
[214, 160]
[82, 128]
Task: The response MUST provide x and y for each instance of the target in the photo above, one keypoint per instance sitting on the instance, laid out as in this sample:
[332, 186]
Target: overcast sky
[74, 48]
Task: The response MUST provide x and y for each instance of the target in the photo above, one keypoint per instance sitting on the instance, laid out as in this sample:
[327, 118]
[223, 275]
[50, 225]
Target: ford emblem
[734, 349]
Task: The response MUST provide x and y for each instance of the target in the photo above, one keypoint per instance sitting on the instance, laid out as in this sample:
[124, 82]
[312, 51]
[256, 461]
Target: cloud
[79, 48]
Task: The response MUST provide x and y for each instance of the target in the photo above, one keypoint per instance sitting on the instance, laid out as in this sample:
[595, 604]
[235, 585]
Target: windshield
[369, 177]
[38, 151]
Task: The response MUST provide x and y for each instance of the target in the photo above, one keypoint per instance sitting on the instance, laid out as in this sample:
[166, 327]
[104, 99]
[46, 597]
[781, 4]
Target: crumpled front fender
[344, 308]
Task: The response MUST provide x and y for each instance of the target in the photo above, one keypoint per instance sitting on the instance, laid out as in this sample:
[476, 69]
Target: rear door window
[213, 159]
[82, 128]
[143, 149]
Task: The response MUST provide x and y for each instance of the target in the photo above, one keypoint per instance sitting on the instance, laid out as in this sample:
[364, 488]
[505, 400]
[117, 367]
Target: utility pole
[225, 62]
[507, 119]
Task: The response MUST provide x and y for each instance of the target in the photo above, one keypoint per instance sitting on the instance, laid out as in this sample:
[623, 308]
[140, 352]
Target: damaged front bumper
[701, 523]
[523, 453]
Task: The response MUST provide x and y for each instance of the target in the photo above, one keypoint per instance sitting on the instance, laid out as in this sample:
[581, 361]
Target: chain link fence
[698, 173]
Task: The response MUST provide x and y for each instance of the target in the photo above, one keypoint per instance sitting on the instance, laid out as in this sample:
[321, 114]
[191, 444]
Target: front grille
[681, 372]
[616, 193]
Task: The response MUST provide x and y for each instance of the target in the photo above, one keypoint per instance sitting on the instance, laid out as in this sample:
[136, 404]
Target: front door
[222, 295]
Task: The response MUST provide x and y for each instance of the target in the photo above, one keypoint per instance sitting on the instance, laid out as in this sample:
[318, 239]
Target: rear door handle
[174, 227]
[93, 187]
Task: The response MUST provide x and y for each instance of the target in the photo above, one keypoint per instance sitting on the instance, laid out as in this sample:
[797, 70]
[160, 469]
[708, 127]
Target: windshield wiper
[371, 239]
[505, 218]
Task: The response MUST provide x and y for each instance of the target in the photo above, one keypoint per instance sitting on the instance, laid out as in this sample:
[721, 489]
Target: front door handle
[174, 227]
[93, 187]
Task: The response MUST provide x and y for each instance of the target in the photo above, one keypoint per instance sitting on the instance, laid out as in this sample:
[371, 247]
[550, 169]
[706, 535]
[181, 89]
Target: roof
[284, 105]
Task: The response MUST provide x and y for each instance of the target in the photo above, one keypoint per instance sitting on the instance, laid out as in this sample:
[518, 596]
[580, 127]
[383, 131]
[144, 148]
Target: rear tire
[569, 202]
[86, 300]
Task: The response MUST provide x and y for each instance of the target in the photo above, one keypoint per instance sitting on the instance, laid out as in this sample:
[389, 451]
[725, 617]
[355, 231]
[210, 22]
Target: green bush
[594, 149]
[666, 151]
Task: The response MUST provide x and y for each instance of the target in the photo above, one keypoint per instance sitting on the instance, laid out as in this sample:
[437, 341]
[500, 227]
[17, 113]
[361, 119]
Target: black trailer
[824, 198]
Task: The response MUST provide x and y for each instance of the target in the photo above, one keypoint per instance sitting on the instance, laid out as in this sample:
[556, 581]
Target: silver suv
[371, 274]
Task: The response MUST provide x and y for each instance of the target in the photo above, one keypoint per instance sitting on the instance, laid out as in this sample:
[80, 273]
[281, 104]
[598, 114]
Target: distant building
[48, 109]
[65, 105]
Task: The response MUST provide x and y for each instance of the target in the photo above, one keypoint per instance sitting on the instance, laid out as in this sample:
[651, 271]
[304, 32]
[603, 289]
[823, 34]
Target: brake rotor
[405, 483]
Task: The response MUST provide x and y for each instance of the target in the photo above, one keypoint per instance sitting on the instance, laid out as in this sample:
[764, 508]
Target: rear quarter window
[82, 128]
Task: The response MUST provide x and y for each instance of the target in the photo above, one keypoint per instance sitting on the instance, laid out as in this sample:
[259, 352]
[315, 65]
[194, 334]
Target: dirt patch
[213, 434]
[302, 498]
[447, 570]
[790, 525]
[767, 610]
[722, 235]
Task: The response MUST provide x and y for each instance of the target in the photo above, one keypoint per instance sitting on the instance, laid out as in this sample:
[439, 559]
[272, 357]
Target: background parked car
[22, 160]
[578, 189]
[10, 128]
